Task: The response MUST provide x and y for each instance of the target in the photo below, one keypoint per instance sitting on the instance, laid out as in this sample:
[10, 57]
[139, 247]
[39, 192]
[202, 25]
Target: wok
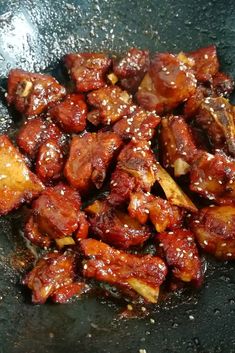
[34, 36]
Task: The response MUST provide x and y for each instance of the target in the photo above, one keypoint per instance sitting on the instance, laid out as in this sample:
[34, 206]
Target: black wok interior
[34, 35]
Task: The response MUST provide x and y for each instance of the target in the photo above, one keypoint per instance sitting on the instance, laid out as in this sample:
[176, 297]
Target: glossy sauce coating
[32, 93]
[131, 173]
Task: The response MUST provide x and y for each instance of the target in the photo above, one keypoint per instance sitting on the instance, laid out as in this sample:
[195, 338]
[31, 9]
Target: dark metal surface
[34, 35]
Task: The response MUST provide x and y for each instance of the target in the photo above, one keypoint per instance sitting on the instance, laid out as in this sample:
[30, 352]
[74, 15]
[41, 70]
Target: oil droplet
[196, 341]
[216, 311]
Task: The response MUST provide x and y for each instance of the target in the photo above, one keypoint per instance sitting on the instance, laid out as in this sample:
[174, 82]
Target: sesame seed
[161, 267]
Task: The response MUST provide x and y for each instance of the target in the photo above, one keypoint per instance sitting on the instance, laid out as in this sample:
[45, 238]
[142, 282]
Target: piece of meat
[17, 183]
[214, 229]
[213, 177]
[182, 255]
[34, 132]
[222, 84]
[177, 144]
[121, 185]
[112, 103]
[82, 231]
[217, 117]
[71, 113]
[205, 64]
[89, 158]
[30, 134]
[54, 276]
[131, 67]
[143, 273]
[87, 70]
[162, 214]
[116, 227]
[57, 213]
[137, 159]
[192, 104]
[131, 63]
[167, 83]
[139, 124]
[63, 294]
[33, 234]
[32, 93]
[50, 161]
[135, 170]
